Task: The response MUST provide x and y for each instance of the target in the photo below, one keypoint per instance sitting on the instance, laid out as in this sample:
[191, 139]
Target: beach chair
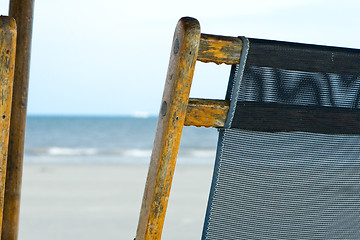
[288, 157]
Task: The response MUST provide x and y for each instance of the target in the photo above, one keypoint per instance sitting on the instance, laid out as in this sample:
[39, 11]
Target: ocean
[60, 139]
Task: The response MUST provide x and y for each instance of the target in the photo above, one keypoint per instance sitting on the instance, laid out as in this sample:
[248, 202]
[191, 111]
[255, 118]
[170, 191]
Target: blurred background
[110, 57]
[97, 74]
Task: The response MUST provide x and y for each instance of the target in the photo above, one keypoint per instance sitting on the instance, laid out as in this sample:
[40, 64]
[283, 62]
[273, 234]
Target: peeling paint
[219, 49]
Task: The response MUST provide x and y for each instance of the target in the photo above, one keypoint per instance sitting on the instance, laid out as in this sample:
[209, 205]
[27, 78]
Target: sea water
[108, 140]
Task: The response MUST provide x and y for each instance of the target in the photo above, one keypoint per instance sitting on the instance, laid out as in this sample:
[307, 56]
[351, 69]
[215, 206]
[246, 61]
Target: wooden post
[22, 12]
[169, 129]
[7, 66]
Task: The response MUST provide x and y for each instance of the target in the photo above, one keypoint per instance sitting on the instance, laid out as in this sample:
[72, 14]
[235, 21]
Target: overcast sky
[110, 57]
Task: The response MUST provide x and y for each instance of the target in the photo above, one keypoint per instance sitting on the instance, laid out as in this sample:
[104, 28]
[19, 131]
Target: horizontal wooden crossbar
[206, 112]
[262, 116]
[219, 49]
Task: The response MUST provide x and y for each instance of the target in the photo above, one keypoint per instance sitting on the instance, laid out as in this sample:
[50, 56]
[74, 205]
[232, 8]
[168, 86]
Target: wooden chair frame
[177, 110]
[7, 67]
[21, 21]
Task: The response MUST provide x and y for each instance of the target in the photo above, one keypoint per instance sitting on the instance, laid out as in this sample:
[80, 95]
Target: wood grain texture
[22, 12]
[274, 117]
[7, 67]
[206, 112]
[169, 128]
[219, 49]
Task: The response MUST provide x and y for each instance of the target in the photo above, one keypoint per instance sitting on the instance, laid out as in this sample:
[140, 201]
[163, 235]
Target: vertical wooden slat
[170, 124]
[22, 12]
[7, 66]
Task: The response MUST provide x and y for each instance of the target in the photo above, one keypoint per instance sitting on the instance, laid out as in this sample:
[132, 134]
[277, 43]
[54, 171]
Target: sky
[110, 57]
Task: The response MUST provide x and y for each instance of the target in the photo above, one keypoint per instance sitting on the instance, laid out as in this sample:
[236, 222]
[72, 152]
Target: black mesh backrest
[288, 159]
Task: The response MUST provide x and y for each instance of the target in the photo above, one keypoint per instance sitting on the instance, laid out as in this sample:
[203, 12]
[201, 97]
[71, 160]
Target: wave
[136, 153]
[131, 153]
[58, 151]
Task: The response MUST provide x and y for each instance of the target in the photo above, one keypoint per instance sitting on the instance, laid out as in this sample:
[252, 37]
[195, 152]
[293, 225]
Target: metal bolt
[163, 108]
[176, 46]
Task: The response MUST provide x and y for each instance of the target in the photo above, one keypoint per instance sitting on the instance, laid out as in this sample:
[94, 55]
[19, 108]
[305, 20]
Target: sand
[103, 201]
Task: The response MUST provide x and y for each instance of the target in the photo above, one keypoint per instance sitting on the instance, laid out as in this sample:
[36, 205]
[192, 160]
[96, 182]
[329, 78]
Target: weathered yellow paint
[219, 49]
[215, 48]
[206, 112]
[7, 67]
[169, 129]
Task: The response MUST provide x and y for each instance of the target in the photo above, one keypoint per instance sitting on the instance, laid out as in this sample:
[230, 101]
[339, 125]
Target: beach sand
[94, 201]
